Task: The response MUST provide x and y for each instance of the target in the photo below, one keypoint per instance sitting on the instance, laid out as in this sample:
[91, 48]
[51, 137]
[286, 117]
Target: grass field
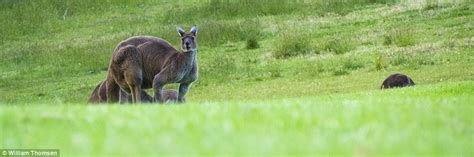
[423, 121]
[276, 78]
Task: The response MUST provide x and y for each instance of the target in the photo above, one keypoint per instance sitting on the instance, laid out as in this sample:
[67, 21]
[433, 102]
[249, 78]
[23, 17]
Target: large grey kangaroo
[152, 62]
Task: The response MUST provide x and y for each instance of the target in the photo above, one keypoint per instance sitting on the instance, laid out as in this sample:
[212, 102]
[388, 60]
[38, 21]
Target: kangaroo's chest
[187, 74]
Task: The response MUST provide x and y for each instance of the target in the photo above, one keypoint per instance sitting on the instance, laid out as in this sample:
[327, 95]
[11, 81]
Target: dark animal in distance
[143, 62]
[397, 80]
[99, 95]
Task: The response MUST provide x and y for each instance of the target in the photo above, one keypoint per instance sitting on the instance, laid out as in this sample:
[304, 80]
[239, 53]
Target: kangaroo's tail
[95, 96]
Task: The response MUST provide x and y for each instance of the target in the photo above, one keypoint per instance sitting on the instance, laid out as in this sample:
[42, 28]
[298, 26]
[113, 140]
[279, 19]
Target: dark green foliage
[252, 43]
[430, 5]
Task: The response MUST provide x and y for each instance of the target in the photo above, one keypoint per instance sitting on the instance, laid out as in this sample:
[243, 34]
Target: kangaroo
[397, 80]
[169, 96]
[159, 64]
[99, 95]
[124, 73]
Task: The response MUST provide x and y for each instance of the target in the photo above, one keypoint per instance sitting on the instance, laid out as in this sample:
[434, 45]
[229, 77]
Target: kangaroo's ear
[193, 30]
[180, 31]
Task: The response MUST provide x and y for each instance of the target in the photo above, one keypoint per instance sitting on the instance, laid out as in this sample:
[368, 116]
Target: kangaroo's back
[152, 49]
[99, 94]
[138, 40]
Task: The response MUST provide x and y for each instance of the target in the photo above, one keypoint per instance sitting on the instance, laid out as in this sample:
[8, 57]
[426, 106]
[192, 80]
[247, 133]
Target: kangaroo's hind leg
[134, 84]
[132, 72]
[125, 71]
[113, 90]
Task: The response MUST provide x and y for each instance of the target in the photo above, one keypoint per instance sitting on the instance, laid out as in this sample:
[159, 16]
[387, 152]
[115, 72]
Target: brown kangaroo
[152, 62]
[99, 95]
[397, 80]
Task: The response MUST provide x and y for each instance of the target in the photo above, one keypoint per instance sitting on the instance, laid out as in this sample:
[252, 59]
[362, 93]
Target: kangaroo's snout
[187, 45]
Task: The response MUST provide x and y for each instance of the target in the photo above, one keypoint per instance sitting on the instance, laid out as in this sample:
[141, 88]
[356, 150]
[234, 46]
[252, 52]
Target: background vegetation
[272, 73]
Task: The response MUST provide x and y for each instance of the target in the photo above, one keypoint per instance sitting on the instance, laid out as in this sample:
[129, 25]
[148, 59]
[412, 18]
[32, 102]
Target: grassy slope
[65, 66]
[429, 59]
[326, 99]
[426, 120]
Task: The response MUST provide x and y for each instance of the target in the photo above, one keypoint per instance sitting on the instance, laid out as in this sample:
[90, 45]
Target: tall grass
[223, 9]
[378, 61]
[292, 42]
[400, 37]
[338, 44]
[213, 16]
[215, 33]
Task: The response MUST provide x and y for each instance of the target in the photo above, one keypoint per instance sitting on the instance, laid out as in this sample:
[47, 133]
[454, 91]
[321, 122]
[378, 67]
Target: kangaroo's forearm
[183, 89]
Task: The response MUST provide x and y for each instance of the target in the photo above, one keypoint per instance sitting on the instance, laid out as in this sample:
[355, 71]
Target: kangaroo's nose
[187, 44]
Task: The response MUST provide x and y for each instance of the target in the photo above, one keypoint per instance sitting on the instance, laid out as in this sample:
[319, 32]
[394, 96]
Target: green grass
[294, 79]
[433, 120]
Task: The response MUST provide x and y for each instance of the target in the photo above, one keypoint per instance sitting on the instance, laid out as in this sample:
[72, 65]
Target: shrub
[343, 65]
[430, 5]
[338, 44]
[339, 72]
[252, 43]
[214, 33]
[400, 37]
[351, 64]
[378, 61]
[292, 43]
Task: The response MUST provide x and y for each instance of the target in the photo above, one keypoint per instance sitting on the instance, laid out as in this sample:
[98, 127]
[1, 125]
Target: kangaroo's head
[188, 40]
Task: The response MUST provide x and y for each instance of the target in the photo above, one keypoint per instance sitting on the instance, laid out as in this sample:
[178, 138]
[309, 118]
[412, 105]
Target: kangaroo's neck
[190, 57]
